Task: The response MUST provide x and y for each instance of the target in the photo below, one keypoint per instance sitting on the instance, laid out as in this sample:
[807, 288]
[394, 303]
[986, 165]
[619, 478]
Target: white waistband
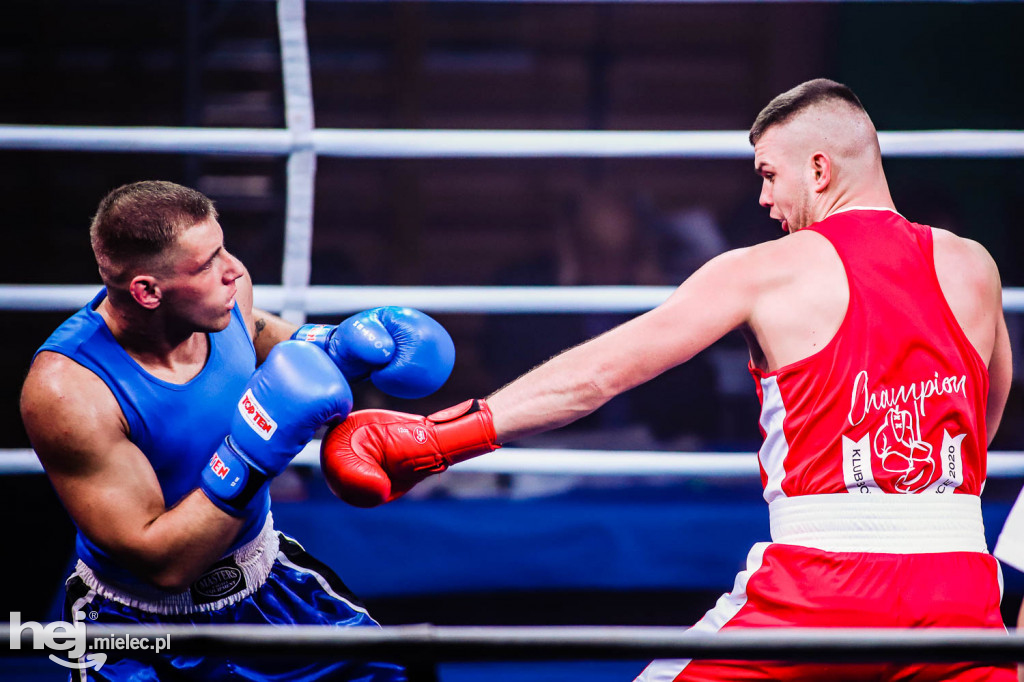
[250, 565]
[926, 523]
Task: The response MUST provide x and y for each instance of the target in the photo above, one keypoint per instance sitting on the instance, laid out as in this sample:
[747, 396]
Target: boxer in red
[881, 358]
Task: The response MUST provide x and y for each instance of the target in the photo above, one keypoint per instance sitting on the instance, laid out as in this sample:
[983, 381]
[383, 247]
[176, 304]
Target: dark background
[629, 66]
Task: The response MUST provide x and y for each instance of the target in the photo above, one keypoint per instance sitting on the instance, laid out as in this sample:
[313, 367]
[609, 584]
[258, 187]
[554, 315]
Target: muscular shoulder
[66, 409]
[790, 260]
[964, 262]
[770, 273]
[802, 299]
[969, 280]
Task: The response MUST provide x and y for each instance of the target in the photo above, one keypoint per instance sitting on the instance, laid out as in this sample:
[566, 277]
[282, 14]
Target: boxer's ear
[821, 171]
[145, 290]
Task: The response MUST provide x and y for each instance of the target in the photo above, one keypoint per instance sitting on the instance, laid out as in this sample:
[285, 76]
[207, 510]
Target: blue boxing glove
[405, 353]
[296, 390]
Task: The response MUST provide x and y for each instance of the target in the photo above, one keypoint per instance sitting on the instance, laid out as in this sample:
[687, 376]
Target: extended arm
[377, 455]
[715, 300]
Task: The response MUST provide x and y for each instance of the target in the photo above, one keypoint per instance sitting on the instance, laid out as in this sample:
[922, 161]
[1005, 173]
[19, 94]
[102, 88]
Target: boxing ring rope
[449, 144]
[430, 643]
[562, 462]
[339, 300]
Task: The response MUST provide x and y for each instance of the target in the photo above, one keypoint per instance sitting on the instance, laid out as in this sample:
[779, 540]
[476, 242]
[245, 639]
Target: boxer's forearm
[566, 388]
[174, 549]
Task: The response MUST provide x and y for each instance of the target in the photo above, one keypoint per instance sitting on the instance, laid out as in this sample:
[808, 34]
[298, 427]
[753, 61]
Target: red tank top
[895, 402]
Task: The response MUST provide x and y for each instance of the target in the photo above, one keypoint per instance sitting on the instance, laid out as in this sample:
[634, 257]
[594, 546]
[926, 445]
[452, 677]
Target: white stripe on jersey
[775, 448]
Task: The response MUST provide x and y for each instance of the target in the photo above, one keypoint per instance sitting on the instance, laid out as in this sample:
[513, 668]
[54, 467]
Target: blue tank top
[177, 426]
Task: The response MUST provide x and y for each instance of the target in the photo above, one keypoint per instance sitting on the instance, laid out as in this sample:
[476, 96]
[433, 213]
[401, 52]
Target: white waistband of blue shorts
[887, 523]
[255, 559]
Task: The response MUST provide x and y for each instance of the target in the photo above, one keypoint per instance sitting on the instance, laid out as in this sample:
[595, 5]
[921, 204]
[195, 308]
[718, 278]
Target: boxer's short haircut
[783, 107]
[135, 223]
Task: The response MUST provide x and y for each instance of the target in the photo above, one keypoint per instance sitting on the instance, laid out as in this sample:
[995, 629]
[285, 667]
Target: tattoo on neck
[260, 324]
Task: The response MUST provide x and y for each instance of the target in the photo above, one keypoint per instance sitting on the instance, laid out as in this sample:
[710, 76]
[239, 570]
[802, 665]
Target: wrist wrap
[231, 480]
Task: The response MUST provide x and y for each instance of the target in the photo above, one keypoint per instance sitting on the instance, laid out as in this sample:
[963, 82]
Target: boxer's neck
[168, 350]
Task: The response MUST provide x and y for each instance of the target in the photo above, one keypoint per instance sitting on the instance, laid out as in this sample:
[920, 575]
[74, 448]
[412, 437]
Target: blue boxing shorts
[271, 580]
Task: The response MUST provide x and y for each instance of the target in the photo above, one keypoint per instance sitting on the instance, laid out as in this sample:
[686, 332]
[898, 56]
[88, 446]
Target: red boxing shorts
[790, 585]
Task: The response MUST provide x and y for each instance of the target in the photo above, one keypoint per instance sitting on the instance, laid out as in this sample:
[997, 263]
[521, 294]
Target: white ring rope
[516, 643]
[247, 141]
[555, 462]
[336, 300]
[432, 144]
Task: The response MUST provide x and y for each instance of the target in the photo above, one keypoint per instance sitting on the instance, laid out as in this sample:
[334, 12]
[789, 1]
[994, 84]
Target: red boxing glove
[376, 456]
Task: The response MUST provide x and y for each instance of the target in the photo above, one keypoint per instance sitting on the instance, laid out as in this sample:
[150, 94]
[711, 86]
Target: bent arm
[108, 485]
[269, 330]
[713, 301]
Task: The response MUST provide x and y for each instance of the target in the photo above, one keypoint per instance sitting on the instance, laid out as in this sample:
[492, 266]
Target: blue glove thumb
[424, 354]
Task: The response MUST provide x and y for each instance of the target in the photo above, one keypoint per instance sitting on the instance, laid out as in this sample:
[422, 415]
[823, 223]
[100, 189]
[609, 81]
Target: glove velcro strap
[231, 480]
[320, 334]
[464, 431]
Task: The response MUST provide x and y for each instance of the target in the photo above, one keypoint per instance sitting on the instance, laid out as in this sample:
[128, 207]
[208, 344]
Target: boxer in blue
[161, 435]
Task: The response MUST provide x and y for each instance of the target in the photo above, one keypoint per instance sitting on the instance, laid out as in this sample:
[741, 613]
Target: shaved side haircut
[135, 223]
[802, 97]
